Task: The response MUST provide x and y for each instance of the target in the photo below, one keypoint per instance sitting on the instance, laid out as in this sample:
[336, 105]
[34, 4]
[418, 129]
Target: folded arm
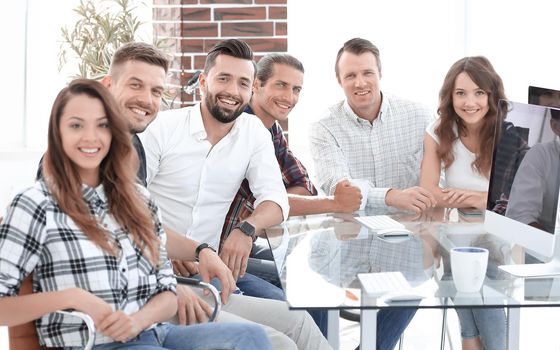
[445, 197]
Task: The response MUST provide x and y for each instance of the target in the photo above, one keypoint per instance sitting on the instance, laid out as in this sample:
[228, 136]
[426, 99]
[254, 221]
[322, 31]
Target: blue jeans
[197, 337]
[391, 325]
[254, 286]
[488, 324]
[265, 269]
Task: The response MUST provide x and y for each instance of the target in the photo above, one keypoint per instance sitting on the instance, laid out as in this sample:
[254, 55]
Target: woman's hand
[89, 304]
[119, 326]
[461, 198]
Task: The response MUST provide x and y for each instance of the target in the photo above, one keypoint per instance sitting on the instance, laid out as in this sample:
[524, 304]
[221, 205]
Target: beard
[220, 114]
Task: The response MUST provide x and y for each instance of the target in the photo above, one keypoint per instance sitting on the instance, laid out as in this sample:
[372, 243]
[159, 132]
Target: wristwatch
[246, 228]
[199, 249]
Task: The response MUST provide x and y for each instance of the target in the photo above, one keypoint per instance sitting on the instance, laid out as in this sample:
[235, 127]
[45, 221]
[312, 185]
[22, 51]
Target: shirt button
[123, 269]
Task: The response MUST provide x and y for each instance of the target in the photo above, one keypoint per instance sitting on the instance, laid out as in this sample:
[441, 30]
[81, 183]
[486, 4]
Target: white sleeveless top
[460, 174]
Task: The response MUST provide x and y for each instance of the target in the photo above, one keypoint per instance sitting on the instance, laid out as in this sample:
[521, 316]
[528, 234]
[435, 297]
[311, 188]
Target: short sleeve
[431, 130]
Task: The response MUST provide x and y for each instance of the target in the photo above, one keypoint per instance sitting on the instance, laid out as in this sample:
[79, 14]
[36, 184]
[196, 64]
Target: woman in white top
[460, 144]
[461, 140]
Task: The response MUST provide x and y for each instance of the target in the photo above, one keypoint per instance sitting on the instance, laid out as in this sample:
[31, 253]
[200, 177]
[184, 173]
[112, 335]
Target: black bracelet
[199, 248]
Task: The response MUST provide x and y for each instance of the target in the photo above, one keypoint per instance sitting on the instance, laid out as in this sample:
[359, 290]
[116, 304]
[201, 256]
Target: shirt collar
[382, 112]
[274, 129]
[196, 127]
[94, 195]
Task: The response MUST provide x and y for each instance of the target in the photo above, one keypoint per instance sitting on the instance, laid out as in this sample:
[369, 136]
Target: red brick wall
[194, 26]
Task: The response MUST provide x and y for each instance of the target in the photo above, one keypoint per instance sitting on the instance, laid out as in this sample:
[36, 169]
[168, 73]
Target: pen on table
[391, 235]
[351, 295]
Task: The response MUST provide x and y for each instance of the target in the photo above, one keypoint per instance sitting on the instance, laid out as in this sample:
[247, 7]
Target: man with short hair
[195, 177]
[275, 93]
[371, 135]
[196, 160]
[376, 136]
[137, 79]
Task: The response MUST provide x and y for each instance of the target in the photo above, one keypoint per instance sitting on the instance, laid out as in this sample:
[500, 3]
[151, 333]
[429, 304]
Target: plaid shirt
[37, 237]
[294, 174]
[386, 152]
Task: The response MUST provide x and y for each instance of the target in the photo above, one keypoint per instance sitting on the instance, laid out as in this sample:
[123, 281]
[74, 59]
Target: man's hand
[190, 308]
[185, 268]
[416, 199]
[210, 266]
[235, 252]
[119, 326]
[347, 198]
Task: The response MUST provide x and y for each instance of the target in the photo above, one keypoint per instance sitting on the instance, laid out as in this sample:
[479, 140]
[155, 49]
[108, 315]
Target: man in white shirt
[198, 156]
[137, 80]
[376, 137]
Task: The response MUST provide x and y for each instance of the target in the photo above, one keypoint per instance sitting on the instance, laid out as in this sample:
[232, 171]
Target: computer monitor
[544, 97]
[524, 183]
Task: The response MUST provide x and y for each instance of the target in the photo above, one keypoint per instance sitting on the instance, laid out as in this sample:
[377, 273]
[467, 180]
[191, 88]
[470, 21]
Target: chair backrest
[24, 337]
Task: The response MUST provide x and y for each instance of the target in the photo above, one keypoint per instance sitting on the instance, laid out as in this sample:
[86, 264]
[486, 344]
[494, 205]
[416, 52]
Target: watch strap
[247, 228]
[199, 249]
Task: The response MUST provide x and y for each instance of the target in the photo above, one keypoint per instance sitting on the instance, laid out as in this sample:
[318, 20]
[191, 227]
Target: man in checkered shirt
[377, 137]
[276, 92]
[371, 135]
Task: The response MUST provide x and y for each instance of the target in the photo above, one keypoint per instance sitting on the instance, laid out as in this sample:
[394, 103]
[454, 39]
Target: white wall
[419, 41]
[23, 126]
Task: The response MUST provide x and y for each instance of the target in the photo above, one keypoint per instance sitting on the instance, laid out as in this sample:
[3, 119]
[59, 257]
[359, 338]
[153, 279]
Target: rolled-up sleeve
[331, 164]
[164, 271]
[21, 240]
[263, 173]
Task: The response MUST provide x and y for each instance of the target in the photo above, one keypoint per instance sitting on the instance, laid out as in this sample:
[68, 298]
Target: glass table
[318, 258]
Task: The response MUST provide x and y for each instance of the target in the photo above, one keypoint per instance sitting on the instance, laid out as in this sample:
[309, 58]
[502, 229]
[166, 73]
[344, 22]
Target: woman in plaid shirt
[86, 234]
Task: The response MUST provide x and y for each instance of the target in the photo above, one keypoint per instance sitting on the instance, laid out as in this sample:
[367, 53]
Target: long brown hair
[117, 173]
[481, 71]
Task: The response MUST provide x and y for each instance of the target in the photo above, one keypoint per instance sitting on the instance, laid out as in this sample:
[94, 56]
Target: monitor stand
[551, 268]
[548, 269]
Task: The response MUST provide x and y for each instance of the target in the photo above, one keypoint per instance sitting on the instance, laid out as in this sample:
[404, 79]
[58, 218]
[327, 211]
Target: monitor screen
[544, 97]
[525, 175]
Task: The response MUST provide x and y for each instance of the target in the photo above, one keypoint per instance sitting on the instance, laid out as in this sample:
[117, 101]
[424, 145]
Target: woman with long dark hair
[93, 241]
[460, 143]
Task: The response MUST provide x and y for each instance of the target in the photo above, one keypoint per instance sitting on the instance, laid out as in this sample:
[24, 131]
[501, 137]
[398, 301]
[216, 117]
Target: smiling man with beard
[198, 156]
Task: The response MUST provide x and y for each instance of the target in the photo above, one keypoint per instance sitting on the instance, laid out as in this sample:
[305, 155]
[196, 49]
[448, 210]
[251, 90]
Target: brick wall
[192, 27]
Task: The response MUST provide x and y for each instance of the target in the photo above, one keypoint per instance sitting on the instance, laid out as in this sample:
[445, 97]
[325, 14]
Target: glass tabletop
[318, 258]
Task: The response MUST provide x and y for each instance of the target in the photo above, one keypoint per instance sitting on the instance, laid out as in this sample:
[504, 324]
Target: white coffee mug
[468, 267]
[363, 185]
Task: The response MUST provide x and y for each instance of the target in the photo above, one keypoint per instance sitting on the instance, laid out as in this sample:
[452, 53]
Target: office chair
[24, 337]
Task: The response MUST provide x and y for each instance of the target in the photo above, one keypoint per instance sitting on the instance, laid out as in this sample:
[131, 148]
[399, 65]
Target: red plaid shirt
[293, 174]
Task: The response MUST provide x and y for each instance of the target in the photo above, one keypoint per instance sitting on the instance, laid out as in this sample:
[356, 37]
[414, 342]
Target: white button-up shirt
[195, 183]
[386, 152]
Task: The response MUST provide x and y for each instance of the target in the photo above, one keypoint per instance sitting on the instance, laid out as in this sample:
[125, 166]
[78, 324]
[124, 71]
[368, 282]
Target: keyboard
[380, 283]
[378, 222]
